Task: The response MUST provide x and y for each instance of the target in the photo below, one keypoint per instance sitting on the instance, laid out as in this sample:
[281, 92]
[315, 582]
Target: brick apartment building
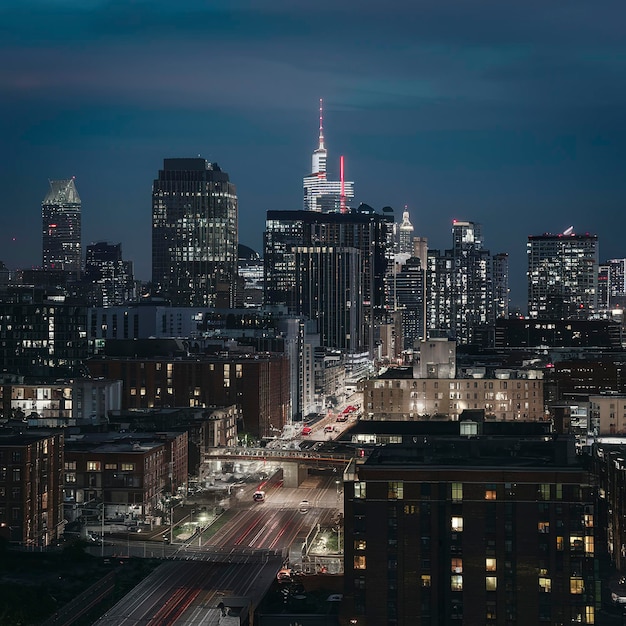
[472, 527]
[31, 502]
[509, 395]
[259, 384]
[131, 474]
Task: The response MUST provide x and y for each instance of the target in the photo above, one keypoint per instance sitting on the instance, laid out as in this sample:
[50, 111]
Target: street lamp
[338, 482]
[172, 507]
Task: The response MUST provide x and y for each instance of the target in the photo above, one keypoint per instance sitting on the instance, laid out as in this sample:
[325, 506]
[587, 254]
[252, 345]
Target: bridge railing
[274, 453]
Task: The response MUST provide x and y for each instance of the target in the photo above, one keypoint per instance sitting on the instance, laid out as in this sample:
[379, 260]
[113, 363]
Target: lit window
[545, 584]
[589, 545]
[457, 566]
[456, 524]
[588, 520]
[576, 585]
[576, 542]
[457, 492]
[544, 491]
[490, 492]
[590, 615]
[128, 467]
[395, 490]
[359, 544]
[456, 582]
[559, 543]
[490, 565]
[359, 562]
[93, 466]
[110, 466]
[543, 527]
[359, 490]
[425, 580]
[491, 583]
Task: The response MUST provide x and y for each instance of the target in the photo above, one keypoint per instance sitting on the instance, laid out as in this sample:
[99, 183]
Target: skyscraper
[321, 194]
[61, 227]
[111, 278]
[460, 285]
[194, 234]
[299, 243]
[562, 275]
[405, 234]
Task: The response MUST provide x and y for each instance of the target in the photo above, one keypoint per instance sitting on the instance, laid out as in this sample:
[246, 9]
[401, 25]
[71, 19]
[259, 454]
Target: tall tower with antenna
[318, 161]
[320, 193]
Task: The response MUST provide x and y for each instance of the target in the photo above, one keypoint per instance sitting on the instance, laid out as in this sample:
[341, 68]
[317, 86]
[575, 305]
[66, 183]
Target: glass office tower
[194, 234]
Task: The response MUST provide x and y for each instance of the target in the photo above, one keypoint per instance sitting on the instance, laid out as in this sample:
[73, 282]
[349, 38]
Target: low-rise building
[131, 473]
[72, 402]
[257, 382]
[507, 395]
[608, 413]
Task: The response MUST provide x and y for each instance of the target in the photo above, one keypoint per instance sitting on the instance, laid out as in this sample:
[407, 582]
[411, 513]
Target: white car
[304, 506]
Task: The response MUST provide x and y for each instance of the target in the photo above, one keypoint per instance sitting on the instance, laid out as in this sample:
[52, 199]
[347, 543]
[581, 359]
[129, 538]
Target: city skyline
[508, 116]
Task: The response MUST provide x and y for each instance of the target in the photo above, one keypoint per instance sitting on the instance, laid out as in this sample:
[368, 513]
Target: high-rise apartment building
[320, 193]
[409, 290]
[61, 227]
[110, 277]
[562, 275]
[194, 234]
[501, 285]
[459, 284]
[298, 243]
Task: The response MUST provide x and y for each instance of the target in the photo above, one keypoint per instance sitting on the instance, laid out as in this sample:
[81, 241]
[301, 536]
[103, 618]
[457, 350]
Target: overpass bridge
[295, 463]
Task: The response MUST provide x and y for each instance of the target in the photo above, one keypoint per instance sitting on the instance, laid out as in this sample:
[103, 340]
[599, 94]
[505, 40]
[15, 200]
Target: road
[188, 592]
[240, 560]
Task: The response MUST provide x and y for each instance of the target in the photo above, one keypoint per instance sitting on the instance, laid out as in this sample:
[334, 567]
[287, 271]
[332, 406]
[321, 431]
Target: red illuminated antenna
[321, 146]
[343, 187]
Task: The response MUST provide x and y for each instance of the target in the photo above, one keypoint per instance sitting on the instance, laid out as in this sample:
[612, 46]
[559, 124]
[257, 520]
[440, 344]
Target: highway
[240, 560]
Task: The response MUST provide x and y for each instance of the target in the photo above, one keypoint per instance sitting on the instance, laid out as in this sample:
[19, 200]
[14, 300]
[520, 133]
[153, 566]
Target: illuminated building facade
[405, 243]
[111, 278]
[459, 285]
[562, 276]
[320, 194]
[505, 395]
[194, 234]
[42, 334]
[61, 228]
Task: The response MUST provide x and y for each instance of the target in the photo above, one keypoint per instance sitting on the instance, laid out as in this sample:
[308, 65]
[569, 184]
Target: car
[329, 428]
[259, 496]
[303, 507]
[307, 430]
[284, 575]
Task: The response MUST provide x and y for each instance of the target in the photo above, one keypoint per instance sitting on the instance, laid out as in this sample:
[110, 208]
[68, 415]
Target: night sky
[511, 114]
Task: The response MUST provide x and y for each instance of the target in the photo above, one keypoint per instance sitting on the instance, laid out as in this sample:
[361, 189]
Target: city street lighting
[172, 507]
